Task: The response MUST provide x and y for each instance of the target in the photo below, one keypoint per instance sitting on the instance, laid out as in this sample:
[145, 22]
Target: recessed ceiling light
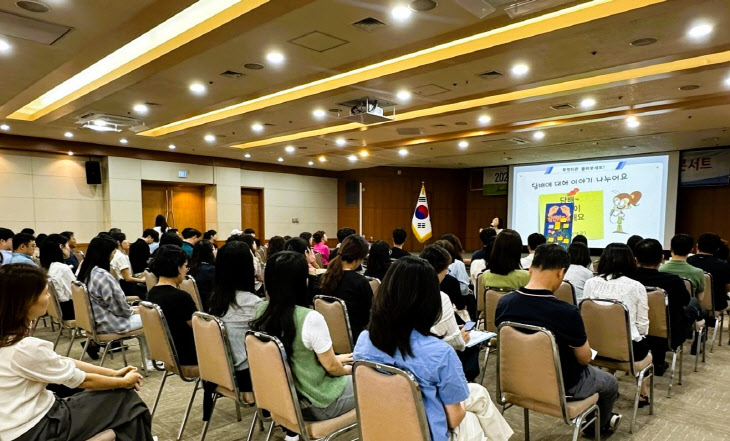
[4, 127]
[280, 159]
[632, 122]
[310, 163]
[727, 81]
[587, 103]
[68, 135]
[700, 30]
[352, 158]
[275, 57]
[340, 142]
[403, 95]
[257, 127]
[484, 119]
[322, 158]
[123, 140]
[319, 113]
[463, 144]
[198, 88]
[401, 13]
[171, 147]
[141, 108]
[364, 153]
[247, 155]
[403, 152]
[70, 153]
[538, 135]
[99, 122]
[290, 149]
[209, 138]
[520, 69]
[5, 46]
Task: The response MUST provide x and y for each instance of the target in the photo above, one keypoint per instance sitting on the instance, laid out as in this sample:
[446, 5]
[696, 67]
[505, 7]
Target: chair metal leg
[271, 429]
[73, 338]
[704, 344]
[714, 335]
[484, 368]
[58, 337]
[103, 355]
[253, 424]
[207, 423]
[698, 337]
[238, 411]
[577, 424]
[651, 392]
[143, 356]
[159, 394]
[681, 358]
[722, 324]
[124, 355]
[187, 411]
[639, 381]
[671, 372]
[83, 350]
[527, 424]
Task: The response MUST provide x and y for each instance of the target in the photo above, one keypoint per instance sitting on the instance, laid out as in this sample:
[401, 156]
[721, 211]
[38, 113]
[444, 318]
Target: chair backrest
[708, 299]
[82, 308]
[318, 259]
[566, 293]
[401, 417]
[149, 279]
[658, 313]
[493, 295]
[54, 308]
[215, 360]
[272, 380]
[334, 311]
[481, 300]
[157, 333]
[689, 286]
[374, 285]
[608, 329]
[528, 369]
[191, 287]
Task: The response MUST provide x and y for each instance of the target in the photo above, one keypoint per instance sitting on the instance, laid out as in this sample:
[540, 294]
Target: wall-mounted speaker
[93, 172]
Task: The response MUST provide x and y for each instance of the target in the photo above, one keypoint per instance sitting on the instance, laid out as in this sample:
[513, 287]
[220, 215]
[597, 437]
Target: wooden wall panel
[704, 209]
[480, 210]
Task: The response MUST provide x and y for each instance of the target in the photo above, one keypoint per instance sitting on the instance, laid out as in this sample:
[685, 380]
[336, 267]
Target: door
[252, 210]
[183, 206]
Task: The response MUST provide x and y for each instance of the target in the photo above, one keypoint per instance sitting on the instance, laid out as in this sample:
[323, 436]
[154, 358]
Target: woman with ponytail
[343, 281]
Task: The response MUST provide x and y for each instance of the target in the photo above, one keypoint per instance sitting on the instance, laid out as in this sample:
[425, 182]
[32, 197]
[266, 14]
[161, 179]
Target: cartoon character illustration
[622, 202]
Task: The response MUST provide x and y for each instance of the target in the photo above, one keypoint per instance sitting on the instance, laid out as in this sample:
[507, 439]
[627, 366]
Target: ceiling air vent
[232, 74]
[369, 24]
[519, 141]
[565, 106]
[410, 131]
[489, 75]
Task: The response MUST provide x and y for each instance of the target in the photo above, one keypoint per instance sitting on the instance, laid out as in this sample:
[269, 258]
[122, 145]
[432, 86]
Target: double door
[182, 206]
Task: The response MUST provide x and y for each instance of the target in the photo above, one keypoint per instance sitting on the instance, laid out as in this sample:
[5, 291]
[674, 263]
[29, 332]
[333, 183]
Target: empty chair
[162, 348]
[659, 326]
[529, 375]
[402, 417]
[334, 312]
[608, 329]
[191, 287]
[149, 279]
[56, 314]
[273, 387]
[566, 293]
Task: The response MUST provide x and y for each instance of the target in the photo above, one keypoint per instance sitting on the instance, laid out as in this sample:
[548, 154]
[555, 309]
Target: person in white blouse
[612, 283]
[29, 411]
[578, 272]
[54, 251]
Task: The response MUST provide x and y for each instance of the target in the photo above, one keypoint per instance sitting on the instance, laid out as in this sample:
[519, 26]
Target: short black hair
[306, 235]
[579, 254]
[317, 237]
[28, 231]
[399, 236]
[581, 239]
[486, 234]
[6, 233]
[67, 234]
[170, 238]
[633, 240]
[22, 239]
[149, 232]
[617, 260]
[682, 244]
[534, 240]
[168, 261]
[707, 243]
[188, 233]
[342, 233]
[296, 244]
[550, 257]
[249, 231]
[649, 252]
[437, 256]
[112, 231]
[209, 234]
[119, 237]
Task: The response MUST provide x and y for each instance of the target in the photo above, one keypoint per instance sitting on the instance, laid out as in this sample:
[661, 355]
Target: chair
[191, 287]
[215, 363]
[107, 435]
[85, 321]
[660, 326]
[529, 375]
[56, 314]
[492, 297]
[334, 311]
[566, 293]
[708, 304]
[689, 286]
[481, 300]
[273, 387]
[608, 329]
[149, 279]
[318, 259]
[162, 348]
[401, 418]
[374, 285]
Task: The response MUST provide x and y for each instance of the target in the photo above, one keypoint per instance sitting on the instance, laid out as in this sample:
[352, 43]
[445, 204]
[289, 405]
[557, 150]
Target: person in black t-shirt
[536, 305]
[139, 251]
[484, 235]
[707, 245]
[399, 238]
[170, 266]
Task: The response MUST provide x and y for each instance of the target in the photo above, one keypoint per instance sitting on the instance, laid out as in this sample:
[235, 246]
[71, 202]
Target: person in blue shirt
[6, 245]
[23, 249]
[191, 236]
[408, 304]
[72, 259]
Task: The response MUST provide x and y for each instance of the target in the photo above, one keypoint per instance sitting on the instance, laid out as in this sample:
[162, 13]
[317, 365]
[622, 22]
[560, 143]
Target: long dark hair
[100, 248]
[353, 248]
[276, 244]
[51, 250]
[161, 222]
[233, 272]
[202, 253]
[506, 253]
[408, 299]
[20, 287]
[579, 254]
[286, 280]
[378, 259]
[616, 260]
[456, 244]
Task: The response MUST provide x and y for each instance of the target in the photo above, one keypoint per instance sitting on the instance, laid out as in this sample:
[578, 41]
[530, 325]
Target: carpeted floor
[698, 410]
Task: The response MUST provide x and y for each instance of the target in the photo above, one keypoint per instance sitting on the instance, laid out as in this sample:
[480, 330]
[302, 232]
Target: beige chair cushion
[622, 366]
[574, 408]
[189, 371]
[212, 352]
[606, 328]
[657, 314]
[492, 299]
[107, 435]
[69, 323]
[230, 394]
[320, 429]
[565, 293]
[103, 338]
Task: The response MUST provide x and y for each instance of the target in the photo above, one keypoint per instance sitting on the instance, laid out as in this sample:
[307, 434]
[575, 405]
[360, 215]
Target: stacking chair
[660, 326]
[708, 304]
[162, 348]
[56, 314]
[374, 285]
[215, 363]
[529, 375]
[149, 279]
[318, 259]
[402, 417]
[491, 299]
[689, 286]
[481, 300]
[273, 387]
[191, 287]
[334, 311]
[609, 331]
[566, 293]
[85, 321]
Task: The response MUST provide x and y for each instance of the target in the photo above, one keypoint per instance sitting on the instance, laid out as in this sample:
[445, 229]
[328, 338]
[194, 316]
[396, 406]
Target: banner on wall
[495, 181]
[704, 167]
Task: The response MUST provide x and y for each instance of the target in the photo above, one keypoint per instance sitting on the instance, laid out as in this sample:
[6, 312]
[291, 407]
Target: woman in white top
[30, 412]
[121, 269]
[578, 272]
[54, 252]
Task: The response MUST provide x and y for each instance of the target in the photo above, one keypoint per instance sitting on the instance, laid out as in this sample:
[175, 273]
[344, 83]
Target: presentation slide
[606, 200]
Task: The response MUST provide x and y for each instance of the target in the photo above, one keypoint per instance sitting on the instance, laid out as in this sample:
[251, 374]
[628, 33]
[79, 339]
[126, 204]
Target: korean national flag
[421, 223]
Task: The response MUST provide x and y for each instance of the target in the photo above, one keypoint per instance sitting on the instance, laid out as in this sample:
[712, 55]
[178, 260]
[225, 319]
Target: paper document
[476, 337]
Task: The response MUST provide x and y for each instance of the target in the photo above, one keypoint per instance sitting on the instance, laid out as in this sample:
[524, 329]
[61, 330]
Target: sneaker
[613, 423]
[150, 366]
[291, 438]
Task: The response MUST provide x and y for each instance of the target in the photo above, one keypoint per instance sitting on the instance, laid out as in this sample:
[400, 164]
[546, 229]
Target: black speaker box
[93, 172]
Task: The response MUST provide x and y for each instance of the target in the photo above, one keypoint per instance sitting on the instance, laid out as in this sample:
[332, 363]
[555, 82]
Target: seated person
[707, 246]
[681, 246]
[54, 252]
[342, 234]
[536, 305]
[235, 302]
[202, 269]
[72, 260]
[534, 240]
[503, 268]
[633, 240]
[478, 266]
[399, 238]
[139, 251]
[378, 260]
[320, 246]
[344, 282]
[169, 237]
[121, 269]
[406, 308]
[299, 245]
[483, 253]
[191, 236]
[29, 411]
[457, 269]
[24, 248]
[452, 286]
[171, 267]
[578, 272]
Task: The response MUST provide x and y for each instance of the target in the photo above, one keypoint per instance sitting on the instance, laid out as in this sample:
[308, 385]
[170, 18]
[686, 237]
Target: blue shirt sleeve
[452, 386]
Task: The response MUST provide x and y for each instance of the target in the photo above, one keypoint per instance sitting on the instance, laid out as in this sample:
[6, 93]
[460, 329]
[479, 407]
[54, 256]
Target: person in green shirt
[503, 268]
[681, 246]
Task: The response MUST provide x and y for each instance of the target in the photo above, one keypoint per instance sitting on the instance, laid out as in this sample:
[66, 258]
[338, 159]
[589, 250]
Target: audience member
[342, 234]
[723, 252]
[23, 249]
[72, 259]
[121, 269]
[168, 238]
[497, 225]
[457, 269]
[202, 269]
[307, 236]
[54, 252]
[161, 225]
[320, 246]
[578, 272]
[275, 245]
[250, 231]
[477, 266]
[235, 302]
[407, 307]
[191, 236]
[484, 235]
[141, 250]
[580, 239]
[378, 260]
[399, 238]
[6, 245]
[536, 305]
[707, 246]
[299, 245]
[38, 242]
[28, 410]
[250, 240]
[681, 246]
[503, 268]
[211, 235]
[28, 231]
[534, 240]
[343, 281]
[633, 240]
